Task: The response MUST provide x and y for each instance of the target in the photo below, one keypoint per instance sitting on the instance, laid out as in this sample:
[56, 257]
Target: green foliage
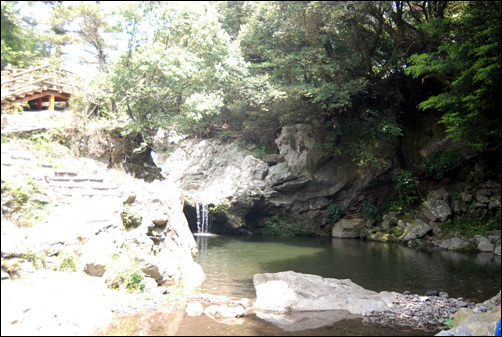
[285, 226]
[28, 201]
[372, 211]
[406, 184]
[469, 224]
[440, 163]
[67, 262]
[178, 77]
[38, 260]
[396, 206]
[362, 138]
[261, 151]
[125, 274]
[130, 219]
[47, 148]
[20, 42]
[219, 209]
[334, 212]
[467, 63]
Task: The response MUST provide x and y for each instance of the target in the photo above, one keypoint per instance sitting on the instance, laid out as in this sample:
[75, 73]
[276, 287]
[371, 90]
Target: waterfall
[203, 226]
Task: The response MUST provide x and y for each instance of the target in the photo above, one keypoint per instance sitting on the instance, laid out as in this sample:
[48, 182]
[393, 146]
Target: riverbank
[63, 303]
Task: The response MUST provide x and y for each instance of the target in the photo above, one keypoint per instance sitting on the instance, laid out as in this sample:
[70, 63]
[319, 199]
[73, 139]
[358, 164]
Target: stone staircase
[87, 199]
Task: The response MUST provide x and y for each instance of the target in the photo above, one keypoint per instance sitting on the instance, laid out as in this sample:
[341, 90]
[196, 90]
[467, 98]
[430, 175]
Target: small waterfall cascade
[203, 225]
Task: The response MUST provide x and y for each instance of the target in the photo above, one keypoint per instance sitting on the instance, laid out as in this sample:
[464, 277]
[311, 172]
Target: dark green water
[231, 261]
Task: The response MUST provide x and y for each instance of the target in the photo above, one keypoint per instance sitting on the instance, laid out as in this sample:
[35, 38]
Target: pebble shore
[421, 312]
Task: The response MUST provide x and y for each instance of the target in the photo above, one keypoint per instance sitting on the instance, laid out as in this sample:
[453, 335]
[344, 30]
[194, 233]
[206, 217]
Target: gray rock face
[172, 241]
[298, 180]
[290, 292]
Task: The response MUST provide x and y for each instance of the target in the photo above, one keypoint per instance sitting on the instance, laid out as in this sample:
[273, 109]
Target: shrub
[334, 212]
[68, 262]
[24, 201]
[125, 274]
[406, 183]
[372, 211]
[285, 226]
[130, 219]
[440, 163]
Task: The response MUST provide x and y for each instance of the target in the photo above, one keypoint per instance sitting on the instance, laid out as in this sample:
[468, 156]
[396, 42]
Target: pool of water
[231, 261]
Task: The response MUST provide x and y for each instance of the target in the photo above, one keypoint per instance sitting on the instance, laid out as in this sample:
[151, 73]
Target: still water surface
[231, 261]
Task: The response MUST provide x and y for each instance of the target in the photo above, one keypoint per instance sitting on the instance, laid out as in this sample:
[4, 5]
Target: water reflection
[298, 321]
[231, 262]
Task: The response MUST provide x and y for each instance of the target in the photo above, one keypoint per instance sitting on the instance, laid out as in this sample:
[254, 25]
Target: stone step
[73, 212]
[77, 179]
[13, 163]
[88, 187]
[65, 173]
[94, 194]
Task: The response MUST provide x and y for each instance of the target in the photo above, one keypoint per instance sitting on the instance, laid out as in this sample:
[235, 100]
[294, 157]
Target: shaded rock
[484, 245]
[416, 229]
[436, 210]
[497, 250]
[455, 244]
[494, 202]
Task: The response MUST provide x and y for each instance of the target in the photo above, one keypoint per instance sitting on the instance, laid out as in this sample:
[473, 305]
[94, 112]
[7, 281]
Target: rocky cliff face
[247, 187]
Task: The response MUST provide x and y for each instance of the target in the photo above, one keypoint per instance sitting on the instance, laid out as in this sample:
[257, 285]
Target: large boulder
[291, 291]
[415, 230]
[348, 228]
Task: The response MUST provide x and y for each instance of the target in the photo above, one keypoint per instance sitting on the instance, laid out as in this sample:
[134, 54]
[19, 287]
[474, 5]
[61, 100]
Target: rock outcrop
[298, 180]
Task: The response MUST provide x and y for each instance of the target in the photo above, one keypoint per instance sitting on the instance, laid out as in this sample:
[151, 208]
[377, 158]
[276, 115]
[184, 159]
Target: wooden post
[39, 103]
[15, 109]
[52, 99]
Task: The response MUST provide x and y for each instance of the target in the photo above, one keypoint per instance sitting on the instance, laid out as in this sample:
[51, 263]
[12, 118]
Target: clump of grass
[68, 262]
[25, 201]
[124, 273]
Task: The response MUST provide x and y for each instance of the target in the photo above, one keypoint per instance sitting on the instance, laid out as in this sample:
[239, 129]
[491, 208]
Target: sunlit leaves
[199, 105]
[179, 74]
[20, 44]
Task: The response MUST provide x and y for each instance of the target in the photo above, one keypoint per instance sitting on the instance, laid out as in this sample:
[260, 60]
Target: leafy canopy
[178, 70]
[467, 62]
